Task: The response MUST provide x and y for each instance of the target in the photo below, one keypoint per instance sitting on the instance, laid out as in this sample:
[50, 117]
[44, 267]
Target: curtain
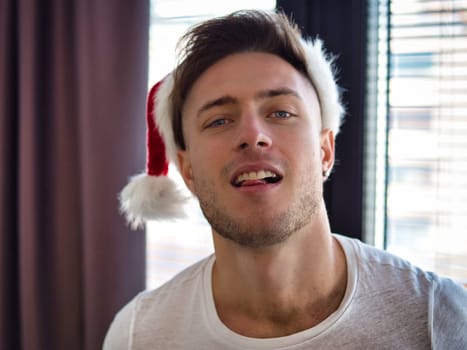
[72, 97]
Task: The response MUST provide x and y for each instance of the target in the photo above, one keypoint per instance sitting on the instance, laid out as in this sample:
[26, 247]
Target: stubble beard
[255, 232]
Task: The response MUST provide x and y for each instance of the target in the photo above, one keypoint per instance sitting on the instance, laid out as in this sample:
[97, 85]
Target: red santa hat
[152, 195]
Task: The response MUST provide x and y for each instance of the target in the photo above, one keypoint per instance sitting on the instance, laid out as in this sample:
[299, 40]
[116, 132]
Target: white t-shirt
[388, 304]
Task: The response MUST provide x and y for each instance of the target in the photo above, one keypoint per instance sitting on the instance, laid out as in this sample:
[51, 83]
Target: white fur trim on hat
[321, 72]
[164, 117]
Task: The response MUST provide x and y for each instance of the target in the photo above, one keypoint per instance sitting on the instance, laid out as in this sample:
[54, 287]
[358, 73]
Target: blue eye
[217, 122]
[282, 114]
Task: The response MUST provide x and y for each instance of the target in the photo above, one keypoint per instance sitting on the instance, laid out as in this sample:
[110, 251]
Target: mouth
[253, 178]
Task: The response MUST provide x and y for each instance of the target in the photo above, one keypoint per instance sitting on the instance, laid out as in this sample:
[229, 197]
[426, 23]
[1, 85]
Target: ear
[327, 151]
[184, 165]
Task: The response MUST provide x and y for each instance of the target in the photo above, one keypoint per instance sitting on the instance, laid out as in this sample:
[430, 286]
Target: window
[416, 142]
[172, 246]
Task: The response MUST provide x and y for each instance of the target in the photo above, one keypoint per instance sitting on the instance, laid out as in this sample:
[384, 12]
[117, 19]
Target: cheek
[311, 154]
[204, 161]
[213, 169]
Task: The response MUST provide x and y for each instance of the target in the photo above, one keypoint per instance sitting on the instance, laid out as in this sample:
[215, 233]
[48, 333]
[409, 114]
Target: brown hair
[241, 31]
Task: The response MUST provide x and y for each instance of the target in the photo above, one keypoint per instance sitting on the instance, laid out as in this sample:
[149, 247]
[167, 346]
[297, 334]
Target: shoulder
[180, 286]
[368, 253]
[412, 300]
[448, 315]
[118, 334]
[387, 282]
[152, 307]
[381, 268]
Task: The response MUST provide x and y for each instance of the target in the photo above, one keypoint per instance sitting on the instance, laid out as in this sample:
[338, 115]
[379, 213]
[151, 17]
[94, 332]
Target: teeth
[255, 175]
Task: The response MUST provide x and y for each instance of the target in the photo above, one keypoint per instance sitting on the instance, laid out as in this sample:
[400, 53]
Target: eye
[216, 123]
[282, 114]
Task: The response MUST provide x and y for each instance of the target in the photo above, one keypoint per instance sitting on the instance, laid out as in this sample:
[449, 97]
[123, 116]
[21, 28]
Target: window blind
[421, 91]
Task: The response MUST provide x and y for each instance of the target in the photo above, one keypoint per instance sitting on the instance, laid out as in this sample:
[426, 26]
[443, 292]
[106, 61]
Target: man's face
[255, 150]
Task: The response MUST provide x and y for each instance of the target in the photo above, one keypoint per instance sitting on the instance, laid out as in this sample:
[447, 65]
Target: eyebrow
[221, 101]
[277, 92]
[229, 100]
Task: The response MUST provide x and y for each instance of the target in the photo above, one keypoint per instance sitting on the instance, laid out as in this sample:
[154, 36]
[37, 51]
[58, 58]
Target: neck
[281, 289]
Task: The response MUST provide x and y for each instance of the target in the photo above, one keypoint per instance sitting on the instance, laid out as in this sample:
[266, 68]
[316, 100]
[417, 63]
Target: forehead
[243, 75]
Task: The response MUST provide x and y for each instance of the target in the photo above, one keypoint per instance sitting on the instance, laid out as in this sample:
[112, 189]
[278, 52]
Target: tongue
[253, 182]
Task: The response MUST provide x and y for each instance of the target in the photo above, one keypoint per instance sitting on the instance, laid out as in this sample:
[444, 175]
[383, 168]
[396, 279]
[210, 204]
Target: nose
[253, 133]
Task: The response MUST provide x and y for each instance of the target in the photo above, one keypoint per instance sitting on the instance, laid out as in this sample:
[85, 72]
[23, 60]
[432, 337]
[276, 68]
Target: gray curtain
[72, 97]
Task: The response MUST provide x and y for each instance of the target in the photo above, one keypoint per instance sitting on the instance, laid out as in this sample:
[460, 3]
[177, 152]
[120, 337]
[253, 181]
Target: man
[250, 116]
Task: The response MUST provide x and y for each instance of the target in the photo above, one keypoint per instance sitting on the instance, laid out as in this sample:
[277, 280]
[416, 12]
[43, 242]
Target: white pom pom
[151, 198]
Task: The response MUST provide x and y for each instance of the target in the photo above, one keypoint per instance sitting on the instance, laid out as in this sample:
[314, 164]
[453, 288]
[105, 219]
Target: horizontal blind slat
[427, 132]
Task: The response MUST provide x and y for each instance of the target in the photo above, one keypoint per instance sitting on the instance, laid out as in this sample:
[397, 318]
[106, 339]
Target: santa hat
[153, 195]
